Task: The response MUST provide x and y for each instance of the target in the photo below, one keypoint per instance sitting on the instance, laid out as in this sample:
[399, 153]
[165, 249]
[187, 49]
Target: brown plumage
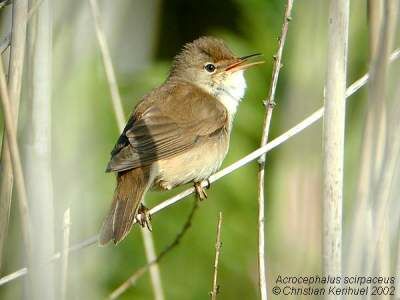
[178, 133]
[124, 208]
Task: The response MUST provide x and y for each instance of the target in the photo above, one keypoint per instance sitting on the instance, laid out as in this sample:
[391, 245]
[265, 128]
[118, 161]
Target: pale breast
[196, 164]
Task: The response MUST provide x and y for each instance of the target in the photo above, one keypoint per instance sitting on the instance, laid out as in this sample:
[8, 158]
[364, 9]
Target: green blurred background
[143, 37]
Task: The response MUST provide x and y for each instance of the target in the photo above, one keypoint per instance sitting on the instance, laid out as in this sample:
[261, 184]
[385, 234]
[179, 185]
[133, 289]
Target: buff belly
[194, 165]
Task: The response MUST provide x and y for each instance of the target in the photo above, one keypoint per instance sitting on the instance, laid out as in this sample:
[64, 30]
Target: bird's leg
[143, 217]
[200, 191]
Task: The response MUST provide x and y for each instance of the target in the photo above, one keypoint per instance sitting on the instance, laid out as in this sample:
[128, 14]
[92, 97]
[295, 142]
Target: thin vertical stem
[120, 117]
[15, 70]
[269, 104]
[108, 66]
[154, 269]
[333, 137]
[64, 254]
[218, 243]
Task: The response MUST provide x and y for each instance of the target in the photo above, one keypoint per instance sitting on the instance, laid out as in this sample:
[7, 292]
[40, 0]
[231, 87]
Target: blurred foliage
[84, 132]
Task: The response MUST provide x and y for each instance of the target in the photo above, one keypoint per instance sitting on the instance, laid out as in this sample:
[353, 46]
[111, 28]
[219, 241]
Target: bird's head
[208, 63]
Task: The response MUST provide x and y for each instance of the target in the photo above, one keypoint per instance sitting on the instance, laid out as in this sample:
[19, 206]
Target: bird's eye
[210, 68]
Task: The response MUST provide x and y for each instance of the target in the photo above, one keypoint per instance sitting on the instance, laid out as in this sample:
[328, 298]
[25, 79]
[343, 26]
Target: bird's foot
[201, 191]
[164, 185]
[143, 217]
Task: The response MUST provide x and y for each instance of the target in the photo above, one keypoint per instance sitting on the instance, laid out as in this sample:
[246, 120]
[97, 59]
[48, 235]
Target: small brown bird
[178, 133]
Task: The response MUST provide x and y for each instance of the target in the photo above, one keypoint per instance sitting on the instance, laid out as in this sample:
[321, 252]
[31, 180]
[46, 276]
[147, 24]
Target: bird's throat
[229, 92]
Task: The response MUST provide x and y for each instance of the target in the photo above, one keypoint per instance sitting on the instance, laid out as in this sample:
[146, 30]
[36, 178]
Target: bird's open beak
[242, 63]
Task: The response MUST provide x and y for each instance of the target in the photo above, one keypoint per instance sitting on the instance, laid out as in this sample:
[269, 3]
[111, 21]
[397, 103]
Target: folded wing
[168, 127]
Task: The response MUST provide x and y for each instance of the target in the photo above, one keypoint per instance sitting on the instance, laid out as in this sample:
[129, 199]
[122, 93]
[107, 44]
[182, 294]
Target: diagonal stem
[16, 40]
[16, 164]
[133, 278]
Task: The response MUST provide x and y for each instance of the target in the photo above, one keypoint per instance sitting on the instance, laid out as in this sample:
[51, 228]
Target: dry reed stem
[299, 127]
[120, 117]
[108, 66]
[16, 164]
[269, 105]
[333, 137]
[38, 150]
[215, 286]
[17, 40]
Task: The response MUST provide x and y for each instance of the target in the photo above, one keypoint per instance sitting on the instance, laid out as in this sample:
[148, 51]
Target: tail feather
[131, 187]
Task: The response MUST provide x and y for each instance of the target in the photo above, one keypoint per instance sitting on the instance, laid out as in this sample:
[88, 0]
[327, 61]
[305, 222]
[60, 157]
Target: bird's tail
[129, 193]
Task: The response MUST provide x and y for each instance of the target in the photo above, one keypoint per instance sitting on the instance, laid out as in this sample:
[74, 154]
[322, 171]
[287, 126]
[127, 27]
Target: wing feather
[167, 127]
